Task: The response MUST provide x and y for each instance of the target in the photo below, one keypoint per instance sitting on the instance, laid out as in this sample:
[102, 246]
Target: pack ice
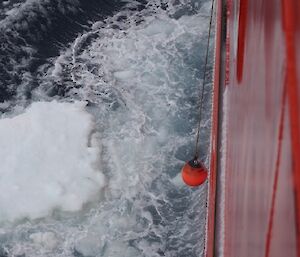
[48, 160]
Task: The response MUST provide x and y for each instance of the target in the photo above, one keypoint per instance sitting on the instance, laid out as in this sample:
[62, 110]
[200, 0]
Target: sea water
[99, 112]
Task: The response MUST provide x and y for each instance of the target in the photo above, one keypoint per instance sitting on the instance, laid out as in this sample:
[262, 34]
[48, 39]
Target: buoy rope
[203, 82]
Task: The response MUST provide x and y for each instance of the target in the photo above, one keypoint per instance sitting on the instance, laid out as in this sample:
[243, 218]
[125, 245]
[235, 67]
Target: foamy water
[139, 72]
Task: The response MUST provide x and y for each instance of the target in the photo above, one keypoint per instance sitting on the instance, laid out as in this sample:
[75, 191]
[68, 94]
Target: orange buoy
[194, 173]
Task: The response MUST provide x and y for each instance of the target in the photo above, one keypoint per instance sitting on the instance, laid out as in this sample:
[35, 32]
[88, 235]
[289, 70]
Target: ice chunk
[46, 239]
[89, 246]
[124, 75]
[159, 26]
[48, 160]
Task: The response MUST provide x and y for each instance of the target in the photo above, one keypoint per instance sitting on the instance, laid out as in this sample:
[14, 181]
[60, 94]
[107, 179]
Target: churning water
[133, 69]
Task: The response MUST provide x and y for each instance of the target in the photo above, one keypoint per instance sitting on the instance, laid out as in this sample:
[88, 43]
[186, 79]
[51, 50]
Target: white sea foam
[47, 161]
[141, 82]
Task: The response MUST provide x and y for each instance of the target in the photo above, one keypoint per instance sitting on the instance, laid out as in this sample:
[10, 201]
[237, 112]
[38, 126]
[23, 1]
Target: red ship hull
[254, 192]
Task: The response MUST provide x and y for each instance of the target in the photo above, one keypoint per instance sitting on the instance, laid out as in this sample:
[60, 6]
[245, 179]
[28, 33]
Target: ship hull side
[258, 173]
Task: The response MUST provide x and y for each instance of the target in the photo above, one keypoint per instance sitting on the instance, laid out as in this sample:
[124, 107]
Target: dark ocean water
[33, 31]
[88, 50]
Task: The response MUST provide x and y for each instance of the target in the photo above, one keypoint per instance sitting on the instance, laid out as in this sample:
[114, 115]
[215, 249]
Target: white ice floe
[48, 159]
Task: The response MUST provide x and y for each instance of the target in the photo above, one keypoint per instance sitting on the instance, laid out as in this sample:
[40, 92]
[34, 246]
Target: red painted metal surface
[242, 29]
[261, 152]
[290, 12]
[209, 248]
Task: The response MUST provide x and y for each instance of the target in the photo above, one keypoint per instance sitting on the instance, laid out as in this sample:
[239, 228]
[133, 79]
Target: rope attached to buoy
[201, 95]
[194, 172]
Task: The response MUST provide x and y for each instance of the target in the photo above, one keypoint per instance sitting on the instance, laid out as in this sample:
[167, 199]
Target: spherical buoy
[194, 173]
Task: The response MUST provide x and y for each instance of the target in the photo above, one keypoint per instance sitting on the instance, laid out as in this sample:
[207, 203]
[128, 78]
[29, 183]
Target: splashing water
[139, 71]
